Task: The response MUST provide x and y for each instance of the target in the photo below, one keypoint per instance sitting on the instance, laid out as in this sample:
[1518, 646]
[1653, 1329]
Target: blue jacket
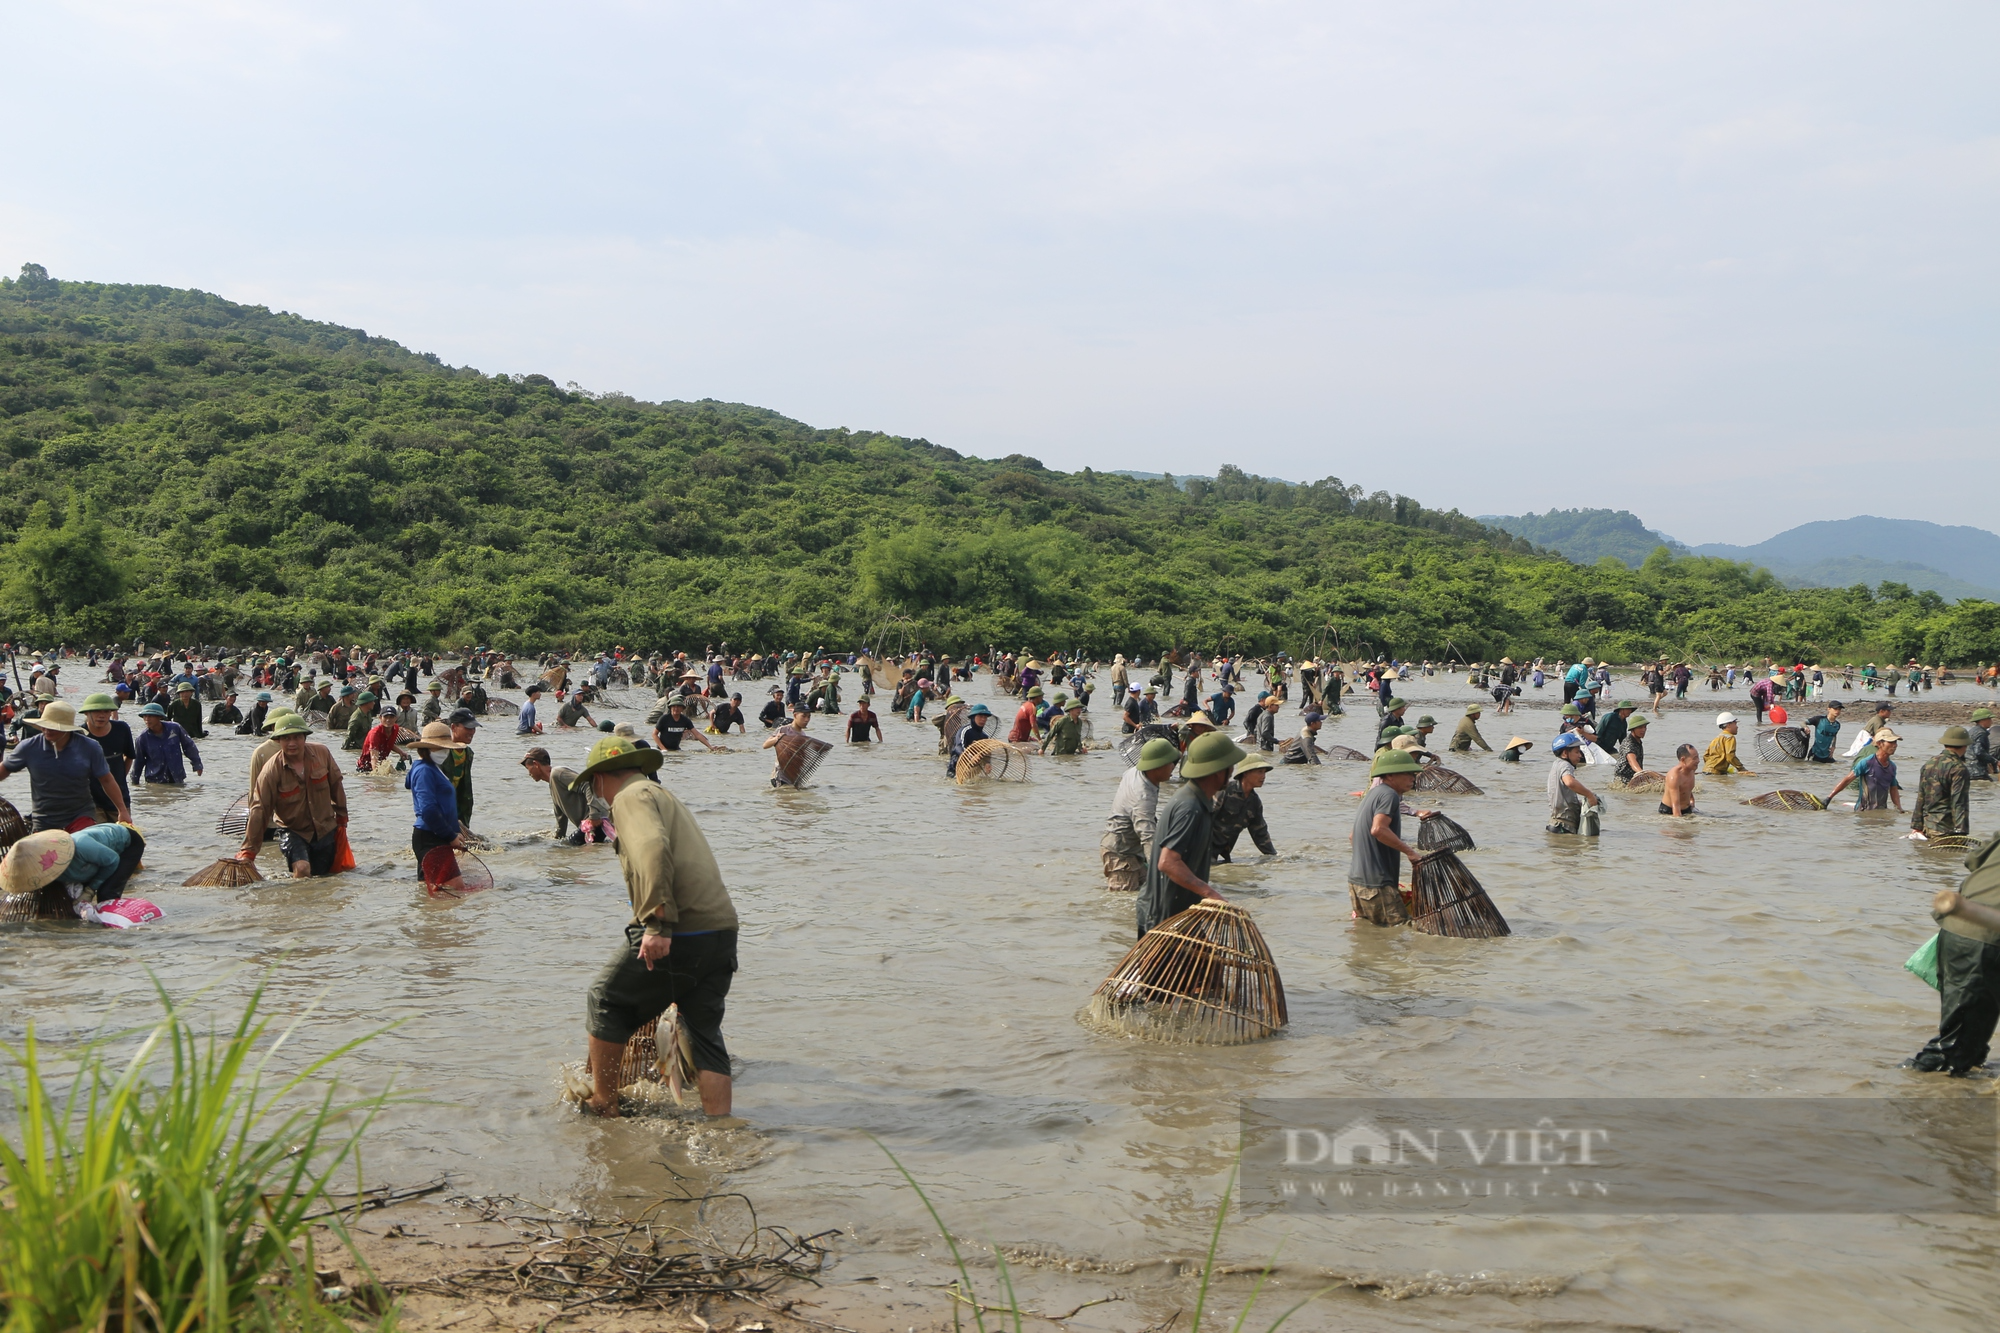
[157, 758]
[98, 849]
[436, 799]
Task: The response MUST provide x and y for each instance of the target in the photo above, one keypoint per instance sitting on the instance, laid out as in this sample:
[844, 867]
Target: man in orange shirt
[1024, 719]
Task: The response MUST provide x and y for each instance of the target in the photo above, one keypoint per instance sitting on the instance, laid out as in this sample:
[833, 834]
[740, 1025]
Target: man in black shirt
[727, 715]
[677, 724]
[774, 711]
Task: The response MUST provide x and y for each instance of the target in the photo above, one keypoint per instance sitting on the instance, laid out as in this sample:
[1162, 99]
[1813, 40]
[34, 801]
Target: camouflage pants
[1383, 906]
[1124, 861]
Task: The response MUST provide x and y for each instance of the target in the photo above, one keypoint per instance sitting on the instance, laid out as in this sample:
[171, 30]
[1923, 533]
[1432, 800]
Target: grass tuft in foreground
[169, 1189]
[964, 1294]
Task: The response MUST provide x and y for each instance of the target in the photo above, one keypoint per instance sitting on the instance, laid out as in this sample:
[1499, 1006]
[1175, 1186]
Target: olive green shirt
[1065, 736]
[1466, 735]
[668, 866]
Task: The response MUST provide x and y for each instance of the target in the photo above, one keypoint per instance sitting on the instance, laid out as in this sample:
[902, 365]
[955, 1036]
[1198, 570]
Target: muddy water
[913, 955]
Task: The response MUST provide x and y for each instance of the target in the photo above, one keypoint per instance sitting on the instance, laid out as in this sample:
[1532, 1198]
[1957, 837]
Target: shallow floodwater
[914, 954]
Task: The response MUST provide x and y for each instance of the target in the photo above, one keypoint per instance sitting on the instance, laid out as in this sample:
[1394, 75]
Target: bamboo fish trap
[1345, 752]
[51, 902]
[1784, 800]
[1438, 778]
[236, 819]
[1204, 976]
[948, 723]
[799, 755]
[13, 828]
[643, 1062]
[1777, 745]
[1441, 834]
[1451, 902]
[1948, 842]
[995, 760]
[228, 873]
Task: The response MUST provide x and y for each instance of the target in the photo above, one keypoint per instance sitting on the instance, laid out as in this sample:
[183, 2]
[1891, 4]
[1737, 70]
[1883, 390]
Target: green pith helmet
[1211, 752]
[1954, 736]
[1393, 761]
[613, 754]
[291, 724]
[1157, 753]
[98, 703]
[1393, 705]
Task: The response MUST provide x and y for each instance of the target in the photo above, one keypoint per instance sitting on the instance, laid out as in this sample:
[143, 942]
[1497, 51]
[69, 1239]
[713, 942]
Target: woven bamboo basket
[643, 1063]
[1441, 834]
[1438, 778]
[48, 903]
[236, 819]
[13, 828]
[228, 873]
[1784, 800]
[992, 760]
[1948, 842]
[1204, 976]
[948, 722]
[1450, 901]
[799, 755]
[1778, 745]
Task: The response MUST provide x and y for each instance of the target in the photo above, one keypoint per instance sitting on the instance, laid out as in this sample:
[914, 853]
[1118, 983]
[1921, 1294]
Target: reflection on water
[914, 953]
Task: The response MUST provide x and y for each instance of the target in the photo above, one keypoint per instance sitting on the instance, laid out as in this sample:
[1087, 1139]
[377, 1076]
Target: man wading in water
[680, 945]
[1184, 842]
[1377, 840]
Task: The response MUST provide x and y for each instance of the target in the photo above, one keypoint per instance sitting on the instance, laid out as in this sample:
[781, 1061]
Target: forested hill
[184, 467]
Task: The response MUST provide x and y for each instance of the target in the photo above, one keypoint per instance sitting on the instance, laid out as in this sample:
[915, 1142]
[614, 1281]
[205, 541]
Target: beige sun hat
[57, 716]
[36, 861]
[436, 736]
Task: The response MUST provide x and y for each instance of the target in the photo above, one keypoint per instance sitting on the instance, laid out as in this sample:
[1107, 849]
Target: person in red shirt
[1024, 720]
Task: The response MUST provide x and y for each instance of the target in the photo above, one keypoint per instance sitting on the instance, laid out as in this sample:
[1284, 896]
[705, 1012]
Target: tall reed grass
[166, 1189]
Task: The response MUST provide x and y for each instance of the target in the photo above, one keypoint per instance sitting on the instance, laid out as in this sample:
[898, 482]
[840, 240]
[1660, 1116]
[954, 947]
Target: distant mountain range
[1587, 535]
[1954, 562]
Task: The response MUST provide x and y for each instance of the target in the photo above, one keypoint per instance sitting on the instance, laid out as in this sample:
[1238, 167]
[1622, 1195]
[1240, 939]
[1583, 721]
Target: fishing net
[228, 873]
[1449, 901]
[236, 819]
[1347, 753]
[454, 681]
[992, 759]
[799, 755]
[1783, 800]
[1441, 834]
[1438, 778]
[1646, 782]
[13, 828]
[1204, 976]
[1777, 745]
[506, 679]
[503, 707]
[442, 865]
[1129, 746]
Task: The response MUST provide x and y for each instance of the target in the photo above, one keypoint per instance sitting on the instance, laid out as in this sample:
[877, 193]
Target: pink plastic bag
[121, 913]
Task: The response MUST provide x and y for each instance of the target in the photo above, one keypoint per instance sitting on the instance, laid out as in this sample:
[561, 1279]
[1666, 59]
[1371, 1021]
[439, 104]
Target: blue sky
[1730, 267]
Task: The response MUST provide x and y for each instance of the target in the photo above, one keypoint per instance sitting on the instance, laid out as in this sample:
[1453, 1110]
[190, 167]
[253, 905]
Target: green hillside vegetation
[184, 467]
[1587, 535]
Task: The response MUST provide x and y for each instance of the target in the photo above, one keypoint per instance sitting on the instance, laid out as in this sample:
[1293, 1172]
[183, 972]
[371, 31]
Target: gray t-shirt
[1374, 866]
[1561, 798]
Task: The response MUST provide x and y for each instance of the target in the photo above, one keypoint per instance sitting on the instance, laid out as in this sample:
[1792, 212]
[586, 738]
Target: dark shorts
[1666, 809]
[695, 975]
[317, 854]
[128, 861]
